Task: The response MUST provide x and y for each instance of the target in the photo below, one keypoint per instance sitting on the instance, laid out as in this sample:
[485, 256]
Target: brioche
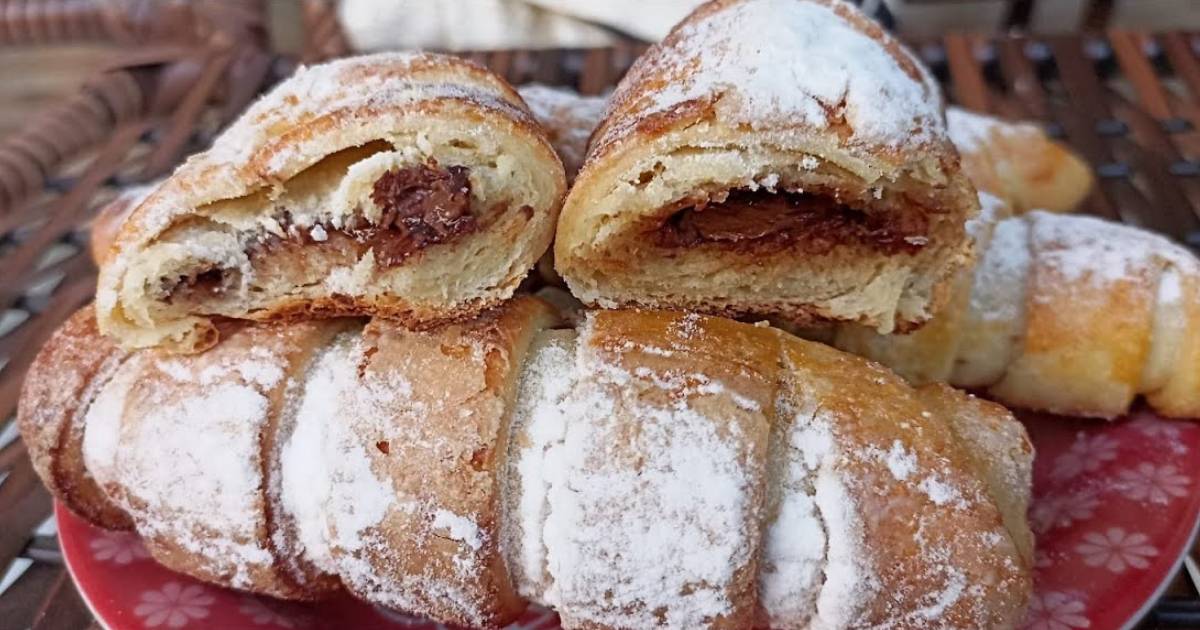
[1018, 163]
[408, 185]
[771, 157]
[463, 471]
[1068, 314]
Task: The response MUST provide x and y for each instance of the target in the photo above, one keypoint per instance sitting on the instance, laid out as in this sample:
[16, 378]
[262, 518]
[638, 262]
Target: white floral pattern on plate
[175, 605]
[1116, 550]
[119, 548]
[1149, 482]
[1057, 611]
[1087, 454]
[1062, 510]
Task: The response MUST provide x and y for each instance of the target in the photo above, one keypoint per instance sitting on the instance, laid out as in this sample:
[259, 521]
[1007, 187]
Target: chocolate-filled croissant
[771, 157]
[409, 185]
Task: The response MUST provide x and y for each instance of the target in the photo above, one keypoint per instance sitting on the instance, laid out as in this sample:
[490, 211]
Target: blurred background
[35, 73]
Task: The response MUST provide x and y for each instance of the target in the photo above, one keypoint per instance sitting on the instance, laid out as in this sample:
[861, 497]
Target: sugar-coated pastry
[1069, 314]
[568, 118]
[771, 157]
[641, 469]
[408, 185]
[1018, 162]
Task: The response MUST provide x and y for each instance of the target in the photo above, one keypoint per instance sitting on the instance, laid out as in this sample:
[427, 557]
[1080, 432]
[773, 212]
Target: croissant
[646, 469]
[410, 185]
[1068, 314]
[568, 118]
[111, 216]
[1018, 163]
[771, 157]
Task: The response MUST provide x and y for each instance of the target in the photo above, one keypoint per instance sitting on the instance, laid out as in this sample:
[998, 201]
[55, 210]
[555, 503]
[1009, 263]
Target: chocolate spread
[422, 205]
[818, 223]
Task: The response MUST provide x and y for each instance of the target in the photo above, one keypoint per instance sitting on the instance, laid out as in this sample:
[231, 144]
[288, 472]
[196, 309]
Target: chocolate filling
[817, 224]
[422, 205]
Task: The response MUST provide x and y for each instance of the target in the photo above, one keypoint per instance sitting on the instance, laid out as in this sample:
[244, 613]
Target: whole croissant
[647, 469]
[1069, 314]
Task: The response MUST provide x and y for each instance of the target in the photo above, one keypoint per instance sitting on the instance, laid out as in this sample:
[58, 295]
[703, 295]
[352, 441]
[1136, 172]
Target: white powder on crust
[305, 464]
[538, 424]
[102, 425]
[1170, 288]
[631, 539]
[1085, 249]
[458, 528]
[789, 62]
[1004, 268]
[208, 499]
[792, 563]
[900, 462]
[970, 131]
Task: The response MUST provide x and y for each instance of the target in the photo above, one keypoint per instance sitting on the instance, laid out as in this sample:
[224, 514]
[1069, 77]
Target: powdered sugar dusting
[102, 425]
[970, 131]
[793, 559]
[458, 528]
[631, 539]
[785, 63]
[208, 499]
[1004, 267]
[308, 458]
[568, 118]
[1086, 249]
[539, 423]
[900, 462]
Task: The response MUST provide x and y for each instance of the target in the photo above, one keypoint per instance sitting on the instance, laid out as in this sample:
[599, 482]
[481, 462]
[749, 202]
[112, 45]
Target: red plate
[1115, 510]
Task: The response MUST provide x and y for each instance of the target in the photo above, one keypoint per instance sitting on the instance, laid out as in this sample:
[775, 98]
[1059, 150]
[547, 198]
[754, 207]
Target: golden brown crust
[1068, 314]
[395, 109]
[719, 106]
[204, 423]
[72, 367]
[1083, 350]
[719, 370]
[917, 494]
[439, 447]
[1019, 163]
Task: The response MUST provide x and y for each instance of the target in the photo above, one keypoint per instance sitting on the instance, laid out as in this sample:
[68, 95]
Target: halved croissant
[1068, 314]
[771, 157]
[409, 185]
[647, 469]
